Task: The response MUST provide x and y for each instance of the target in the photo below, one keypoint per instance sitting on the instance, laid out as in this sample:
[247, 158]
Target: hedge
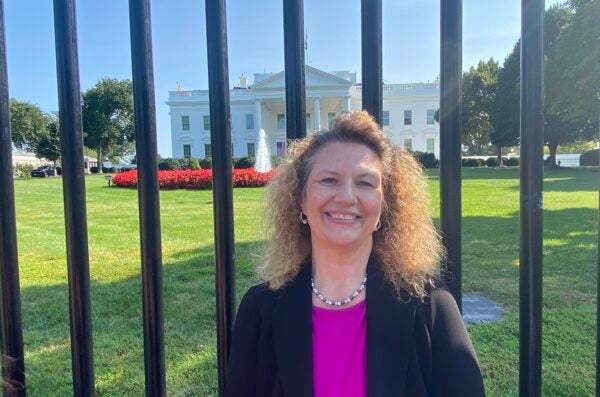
[205, 163]
[472, 163]
[591, 157]
[243, 162]
[513, 162]
[22, 170]
[427, 160]
[493, 161]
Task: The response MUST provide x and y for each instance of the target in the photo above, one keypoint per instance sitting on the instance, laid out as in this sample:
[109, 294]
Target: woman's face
[343, 195]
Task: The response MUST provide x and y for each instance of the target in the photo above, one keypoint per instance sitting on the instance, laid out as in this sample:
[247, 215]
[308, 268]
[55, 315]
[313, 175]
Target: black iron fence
[13, 366]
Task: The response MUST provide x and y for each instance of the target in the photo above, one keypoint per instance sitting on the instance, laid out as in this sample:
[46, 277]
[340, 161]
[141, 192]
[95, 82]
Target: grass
[490, 266]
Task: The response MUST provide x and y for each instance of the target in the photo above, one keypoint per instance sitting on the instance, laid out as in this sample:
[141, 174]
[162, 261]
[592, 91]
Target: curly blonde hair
[406, 246]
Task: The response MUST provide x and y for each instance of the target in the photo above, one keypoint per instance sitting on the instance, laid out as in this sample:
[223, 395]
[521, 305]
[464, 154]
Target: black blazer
[413, 348]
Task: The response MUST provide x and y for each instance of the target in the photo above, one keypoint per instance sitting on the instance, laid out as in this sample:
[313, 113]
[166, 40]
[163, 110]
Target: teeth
[342, 216]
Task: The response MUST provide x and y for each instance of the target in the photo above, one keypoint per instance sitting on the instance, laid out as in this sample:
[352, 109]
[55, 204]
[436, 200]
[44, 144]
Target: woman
[350, 307]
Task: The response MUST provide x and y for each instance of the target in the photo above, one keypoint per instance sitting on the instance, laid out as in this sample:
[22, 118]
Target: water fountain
[263, 159]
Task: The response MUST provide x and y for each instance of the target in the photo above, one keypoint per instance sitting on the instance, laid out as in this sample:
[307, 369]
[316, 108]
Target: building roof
[267, 84]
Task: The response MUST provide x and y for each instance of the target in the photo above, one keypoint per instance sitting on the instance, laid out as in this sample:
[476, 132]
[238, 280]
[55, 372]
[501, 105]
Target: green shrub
[591, 157]
[59, 170]
[94, 170]
[244, 162]
[169, 164]
[276, 160]
[513, 162]
[427, 160]
[472, 163]
[22, 170]
[190, 164]
[205, 163]
[547, 161]
[491, 162]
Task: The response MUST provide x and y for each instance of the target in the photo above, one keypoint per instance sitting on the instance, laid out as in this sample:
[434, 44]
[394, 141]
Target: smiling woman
[342, 199]
[350, 305]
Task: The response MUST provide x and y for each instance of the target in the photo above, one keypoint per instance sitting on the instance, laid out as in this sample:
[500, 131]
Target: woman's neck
[338, 273]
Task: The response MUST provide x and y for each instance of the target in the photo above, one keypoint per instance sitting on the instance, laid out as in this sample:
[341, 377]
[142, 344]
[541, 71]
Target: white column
[347, 103]
[257, 115]
[317, 112]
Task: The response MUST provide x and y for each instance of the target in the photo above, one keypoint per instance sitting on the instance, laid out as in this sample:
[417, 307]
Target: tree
[573, 75]
[108, 117]
[504, 115]
[27, 123]
[479, 92]
[48, 144]
[34, 130]
[557, 129]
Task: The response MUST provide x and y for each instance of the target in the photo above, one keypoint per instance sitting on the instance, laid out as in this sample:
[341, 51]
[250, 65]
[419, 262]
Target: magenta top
[339, 339]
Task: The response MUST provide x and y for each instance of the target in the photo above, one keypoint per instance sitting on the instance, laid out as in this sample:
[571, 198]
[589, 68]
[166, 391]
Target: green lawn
[490, 256]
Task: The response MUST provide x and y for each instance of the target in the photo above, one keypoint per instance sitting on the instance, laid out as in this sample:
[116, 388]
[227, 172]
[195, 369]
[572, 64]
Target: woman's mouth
[338, 217]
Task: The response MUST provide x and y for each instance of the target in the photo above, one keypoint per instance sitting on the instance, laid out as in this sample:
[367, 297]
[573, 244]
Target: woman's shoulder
[440, 306]
[438, 292]
[435, 292]
[259, 295]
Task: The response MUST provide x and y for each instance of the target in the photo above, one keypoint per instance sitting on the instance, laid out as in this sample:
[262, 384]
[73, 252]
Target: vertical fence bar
[450, 142]
[11, 333]
[532, 144]
[71, 133]
[220, 138]
[295, 93]
[371, 53]
[148, 196]
[598, 251]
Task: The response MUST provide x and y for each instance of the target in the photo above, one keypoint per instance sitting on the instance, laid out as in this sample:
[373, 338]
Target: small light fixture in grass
[108, 179]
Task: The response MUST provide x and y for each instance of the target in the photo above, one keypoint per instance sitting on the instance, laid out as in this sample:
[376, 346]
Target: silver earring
[378, 226]
[303, 218]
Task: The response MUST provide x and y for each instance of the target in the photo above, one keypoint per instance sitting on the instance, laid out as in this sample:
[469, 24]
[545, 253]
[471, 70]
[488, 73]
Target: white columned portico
[258, 115]
[347, 103]
[317, 112]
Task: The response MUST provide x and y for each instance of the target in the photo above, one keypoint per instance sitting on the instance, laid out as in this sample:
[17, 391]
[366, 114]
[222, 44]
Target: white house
[408, 116]
[19, 157]
[27, 158]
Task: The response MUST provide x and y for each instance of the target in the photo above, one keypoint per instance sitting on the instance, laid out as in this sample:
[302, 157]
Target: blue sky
[255, 40]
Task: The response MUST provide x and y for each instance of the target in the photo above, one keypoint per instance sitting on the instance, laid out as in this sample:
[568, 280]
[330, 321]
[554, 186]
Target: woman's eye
[328, 181]
[365, 184]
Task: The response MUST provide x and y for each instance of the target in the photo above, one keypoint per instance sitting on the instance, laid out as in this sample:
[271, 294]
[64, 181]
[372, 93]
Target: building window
[408, 117]
[249, 121]
[187, 151]
[385, 119]
[308, 120]
[281, 121]
[206, 120]
[185, 123]
[330, 119]
[430, 145]
[207, 150]
[280, 148]
[430, 116]
[251, 150]
[408, 144]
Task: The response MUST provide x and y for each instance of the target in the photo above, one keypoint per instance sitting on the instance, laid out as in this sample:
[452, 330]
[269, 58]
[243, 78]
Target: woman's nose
[346, 193]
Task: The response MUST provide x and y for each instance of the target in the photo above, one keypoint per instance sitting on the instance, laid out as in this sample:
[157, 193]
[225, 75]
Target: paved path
[478, 309]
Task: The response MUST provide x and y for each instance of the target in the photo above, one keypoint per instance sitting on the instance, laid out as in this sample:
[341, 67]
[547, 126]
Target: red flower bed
[196, 179]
